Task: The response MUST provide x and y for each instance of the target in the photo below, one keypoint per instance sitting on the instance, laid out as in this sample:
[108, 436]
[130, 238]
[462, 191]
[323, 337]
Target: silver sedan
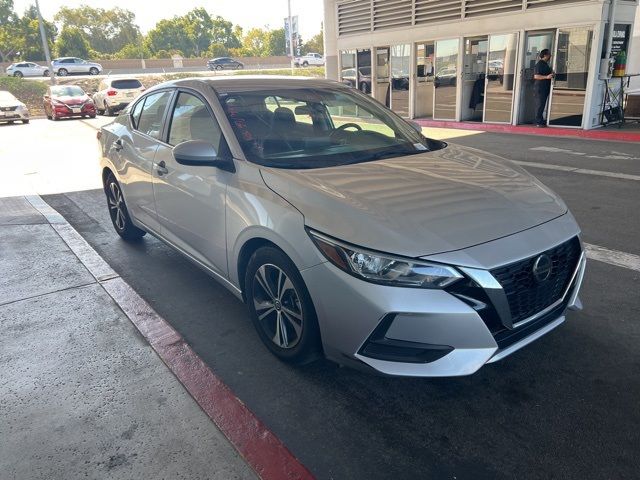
[12, 109]
[346, 232]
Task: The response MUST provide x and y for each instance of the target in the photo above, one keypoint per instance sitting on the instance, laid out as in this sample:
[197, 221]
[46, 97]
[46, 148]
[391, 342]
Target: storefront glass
[446, 79]
[400, 67]
[501, 68]
[425, 73]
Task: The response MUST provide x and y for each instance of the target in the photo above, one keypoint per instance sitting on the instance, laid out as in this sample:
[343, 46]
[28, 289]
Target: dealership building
[472, 60]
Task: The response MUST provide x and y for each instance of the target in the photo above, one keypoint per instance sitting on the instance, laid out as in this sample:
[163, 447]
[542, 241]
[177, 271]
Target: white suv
[309, 59]
[116, 93]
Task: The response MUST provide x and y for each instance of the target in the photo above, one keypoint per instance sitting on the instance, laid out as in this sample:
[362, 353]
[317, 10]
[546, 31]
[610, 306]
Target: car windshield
[67, 91]
[125, 84]
[6, 97]
[317, 127]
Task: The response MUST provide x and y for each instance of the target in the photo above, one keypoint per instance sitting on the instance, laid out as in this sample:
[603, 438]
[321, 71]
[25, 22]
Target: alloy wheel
[116, 205]
[278, 306]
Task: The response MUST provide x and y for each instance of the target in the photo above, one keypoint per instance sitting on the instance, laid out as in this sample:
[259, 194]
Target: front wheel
[45, 73]
[93, 71]
[18, 74]
[25, 121]
[219, 67]
[305, 64]
[118, 211]
[281, 308]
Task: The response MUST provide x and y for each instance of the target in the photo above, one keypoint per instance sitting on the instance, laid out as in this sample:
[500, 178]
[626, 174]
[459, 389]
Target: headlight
[385, 269]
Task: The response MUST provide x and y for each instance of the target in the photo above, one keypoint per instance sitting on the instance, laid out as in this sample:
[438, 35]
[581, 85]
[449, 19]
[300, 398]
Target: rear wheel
[280, 307]
[45, 73]
[94, 71]
[107, 110]
[25, 121]
[118, 211]
[63, 72]
[305, 64]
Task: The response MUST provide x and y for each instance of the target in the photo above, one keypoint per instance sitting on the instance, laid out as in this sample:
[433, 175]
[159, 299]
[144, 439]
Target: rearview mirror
[198, 153]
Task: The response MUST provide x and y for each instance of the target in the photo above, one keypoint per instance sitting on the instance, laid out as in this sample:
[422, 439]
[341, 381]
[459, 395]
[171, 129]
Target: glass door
[501, 69]
[446, 79]
[474, 70]
[383, 76]
[425, 72]
[570, 83]
[400, 67]
[364, 70]
[534, 43]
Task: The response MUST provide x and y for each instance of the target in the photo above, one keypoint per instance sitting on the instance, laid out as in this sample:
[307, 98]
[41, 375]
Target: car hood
[9, 104]
[72, 100]
[419, 205]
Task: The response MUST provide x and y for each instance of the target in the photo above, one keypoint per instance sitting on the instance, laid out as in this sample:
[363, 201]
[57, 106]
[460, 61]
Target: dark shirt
[542, 86]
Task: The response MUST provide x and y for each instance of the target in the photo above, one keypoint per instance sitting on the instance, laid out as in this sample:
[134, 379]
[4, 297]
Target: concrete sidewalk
[82, 394]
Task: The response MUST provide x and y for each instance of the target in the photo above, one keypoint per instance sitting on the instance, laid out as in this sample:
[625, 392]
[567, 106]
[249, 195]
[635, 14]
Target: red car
[63, 101]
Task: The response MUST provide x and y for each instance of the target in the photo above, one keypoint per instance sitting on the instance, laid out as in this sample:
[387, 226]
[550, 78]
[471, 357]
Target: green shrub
[23, 89]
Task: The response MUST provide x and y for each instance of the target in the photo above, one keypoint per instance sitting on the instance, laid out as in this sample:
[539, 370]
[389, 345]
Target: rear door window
[126, 84]
[150, 119]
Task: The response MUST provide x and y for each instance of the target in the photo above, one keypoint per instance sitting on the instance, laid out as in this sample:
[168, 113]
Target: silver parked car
[345, 230]
[69, 65]
[12, 109]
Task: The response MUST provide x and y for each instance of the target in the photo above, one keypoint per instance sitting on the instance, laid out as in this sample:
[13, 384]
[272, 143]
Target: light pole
[45, 45]
[290, 36]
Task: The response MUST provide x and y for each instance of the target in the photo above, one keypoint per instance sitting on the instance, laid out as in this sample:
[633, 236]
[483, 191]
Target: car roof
[253, 82]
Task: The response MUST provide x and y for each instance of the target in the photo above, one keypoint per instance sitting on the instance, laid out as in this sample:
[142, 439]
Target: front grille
[9, 109]
[527, 296]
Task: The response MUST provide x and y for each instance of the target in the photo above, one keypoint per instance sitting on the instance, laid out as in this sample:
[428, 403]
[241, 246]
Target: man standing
[542, 75]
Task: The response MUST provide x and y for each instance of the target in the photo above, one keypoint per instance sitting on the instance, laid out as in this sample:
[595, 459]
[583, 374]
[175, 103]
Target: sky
[246, 13]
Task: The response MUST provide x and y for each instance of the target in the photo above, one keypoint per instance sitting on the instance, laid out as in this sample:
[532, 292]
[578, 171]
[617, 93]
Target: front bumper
[443, 335]
[19, 114]
[63, 111]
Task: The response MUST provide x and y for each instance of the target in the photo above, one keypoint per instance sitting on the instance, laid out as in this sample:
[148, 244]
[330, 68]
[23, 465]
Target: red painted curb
[260, 447]
[598, 134]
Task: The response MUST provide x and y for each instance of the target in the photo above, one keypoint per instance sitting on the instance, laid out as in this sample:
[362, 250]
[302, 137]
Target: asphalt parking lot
[567, 406]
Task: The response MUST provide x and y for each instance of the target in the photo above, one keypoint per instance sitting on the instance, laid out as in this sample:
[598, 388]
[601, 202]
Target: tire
[219, 67]
[119, 213]
[305, 64]
[92, 116]
[107, 110]
[94, 71]
[289, 307]
[25, 121]
[63, 72]
[45, 73]
[239, 66]
[364, 87]
[18, 74]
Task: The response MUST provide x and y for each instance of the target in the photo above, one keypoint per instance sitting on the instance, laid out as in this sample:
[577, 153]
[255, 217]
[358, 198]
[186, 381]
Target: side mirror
[415, 125]
[198, 153]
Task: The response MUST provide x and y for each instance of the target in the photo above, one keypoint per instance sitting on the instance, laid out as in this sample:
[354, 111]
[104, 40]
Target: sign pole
[45, 45]
[290, 33]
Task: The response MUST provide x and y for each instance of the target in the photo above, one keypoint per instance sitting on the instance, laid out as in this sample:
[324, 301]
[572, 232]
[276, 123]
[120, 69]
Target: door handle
[118, 145]
[161, 168]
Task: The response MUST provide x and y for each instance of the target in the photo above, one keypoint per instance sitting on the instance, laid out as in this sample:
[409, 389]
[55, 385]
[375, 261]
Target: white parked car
[66, 65]
[12, 109]
[27, 69]
[116, 93]
[314, 59]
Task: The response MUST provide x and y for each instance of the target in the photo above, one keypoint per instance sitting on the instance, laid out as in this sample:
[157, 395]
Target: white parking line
[584, 171]
[613, 257]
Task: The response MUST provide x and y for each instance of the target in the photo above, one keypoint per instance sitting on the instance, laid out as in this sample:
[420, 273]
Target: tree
[223, 32]
[315, 44]
[168, 34]
[72, 43]
[31, 42]
[10, 35]
[198, 27]
[277, 42]
[217, 50]
[106, 30]
[256, 43]
[133, 50]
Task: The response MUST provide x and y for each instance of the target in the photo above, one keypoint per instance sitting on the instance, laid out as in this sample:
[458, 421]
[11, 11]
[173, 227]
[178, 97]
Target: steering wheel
[348, 125]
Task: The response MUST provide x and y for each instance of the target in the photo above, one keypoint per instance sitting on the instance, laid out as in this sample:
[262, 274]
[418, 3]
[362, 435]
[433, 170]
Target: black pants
[541, 102]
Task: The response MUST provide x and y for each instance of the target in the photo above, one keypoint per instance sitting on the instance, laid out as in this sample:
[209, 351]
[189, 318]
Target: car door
[191, 200]
[135, 153]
